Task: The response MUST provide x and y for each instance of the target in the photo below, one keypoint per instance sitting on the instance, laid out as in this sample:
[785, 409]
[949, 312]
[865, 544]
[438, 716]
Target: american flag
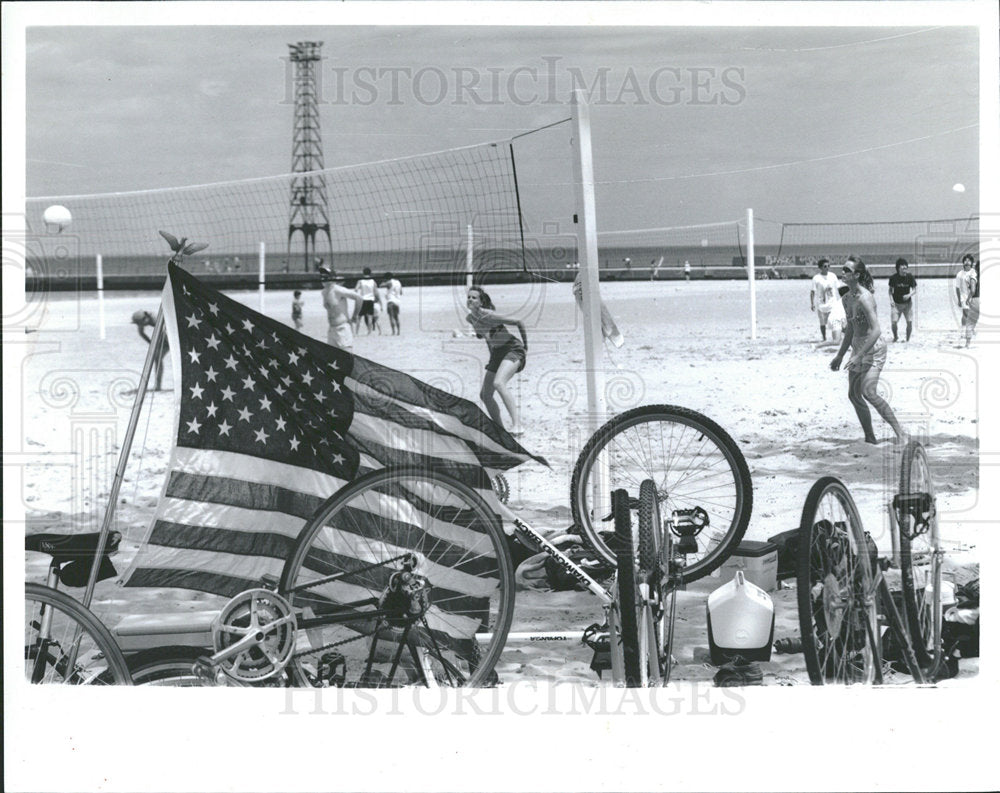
[269, 424]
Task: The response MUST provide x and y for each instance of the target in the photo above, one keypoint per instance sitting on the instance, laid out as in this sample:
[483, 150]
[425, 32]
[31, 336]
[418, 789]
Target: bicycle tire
[167, 666]
[834, 581]
[99, 660]
[653, 558]
[359, 533]
[919, 563]
[695, 464]
[629, 600]
[650, 529]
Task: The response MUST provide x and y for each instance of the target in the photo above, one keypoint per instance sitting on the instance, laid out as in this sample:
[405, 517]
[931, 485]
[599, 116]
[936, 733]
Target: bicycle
[391, 618]
[844, 597]
[63, 641]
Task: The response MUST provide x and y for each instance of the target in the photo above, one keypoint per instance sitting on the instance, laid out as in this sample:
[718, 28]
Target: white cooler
[740, 622]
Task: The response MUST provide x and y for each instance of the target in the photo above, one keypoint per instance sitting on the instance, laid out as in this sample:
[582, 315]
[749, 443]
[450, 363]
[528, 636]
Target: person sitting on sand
[143, 320]
[864, 336]
[507, 354]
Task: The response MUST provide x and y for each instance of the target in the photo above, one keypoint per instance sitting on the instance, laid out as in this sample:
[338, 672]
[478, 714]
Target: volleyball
[57, 218]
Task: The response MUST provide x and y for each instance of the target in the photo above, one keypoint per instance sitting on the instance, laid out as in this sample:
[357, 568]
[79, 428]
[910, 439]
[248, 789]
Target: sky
[689, 124]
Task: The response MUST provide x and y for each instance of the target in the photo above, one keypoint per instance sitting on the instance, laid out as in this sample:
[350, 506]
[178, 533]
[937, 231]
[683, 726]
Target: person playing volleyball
[868, 350]
[507, 354]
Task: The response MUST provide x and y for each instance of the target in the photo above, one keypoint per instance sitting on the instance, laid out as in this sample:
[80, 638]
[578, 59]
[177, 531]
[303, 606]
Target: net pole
[752, 274]
[586, 233]
[100, 295]
[262, 256]
[468, 258]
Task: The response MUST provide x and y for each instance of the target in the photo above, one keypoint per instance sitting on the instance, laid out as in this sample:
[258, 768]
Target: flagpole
[133, 422]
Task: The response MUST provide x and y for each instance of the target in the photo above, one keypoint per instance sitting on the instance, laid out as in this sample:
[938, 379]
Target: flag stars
[230, 330]
[213, 342]
[211, 374]
[212, 408]
[196, 391]
[194, 355]
[224, 428]
[212, 307]
[231, 362]
[320, 396]
[247, 326]
[263, 371]
[339, 459]
[281, 424]
[293, 358]
[249, 382]
[194, 426]
[293, 442]
[307, 378]
[261, 436]
[193, 321]
[228, 394]
[336, 386]
[265, 404]
[245, 415]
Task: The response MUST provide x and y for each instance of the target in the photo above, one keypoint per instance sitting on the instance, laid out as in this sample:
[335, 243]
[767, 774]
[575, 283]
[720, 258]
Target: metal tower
[308, 210]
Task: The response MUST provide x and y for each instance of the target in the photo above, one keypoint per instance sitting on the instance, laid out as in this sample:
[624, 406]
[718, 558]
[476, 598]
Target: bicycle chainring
[263, 623]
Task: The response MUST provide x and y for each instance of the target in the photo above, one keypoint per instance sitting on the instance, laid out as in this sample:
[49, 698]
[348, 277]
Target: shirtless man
[335, 301]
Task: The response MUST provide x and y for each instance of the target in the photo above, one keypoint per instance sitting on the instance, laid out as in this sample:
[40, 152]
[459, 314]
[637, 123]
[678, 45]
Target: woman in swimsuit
[864, 335]
[507, 354]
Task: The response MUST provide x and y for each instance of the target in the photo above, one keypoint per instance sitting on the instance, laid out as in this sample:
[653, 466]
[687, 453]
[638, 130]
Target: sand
[687, 344]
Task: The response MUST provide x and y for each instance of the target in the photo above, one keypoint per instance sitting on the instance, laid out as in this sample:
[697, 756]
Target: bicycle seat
[73, 554]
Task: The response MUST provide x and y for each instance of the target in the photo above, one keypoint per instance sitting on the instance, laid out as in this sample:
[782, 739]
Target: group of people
[846, 306]
[368, 299]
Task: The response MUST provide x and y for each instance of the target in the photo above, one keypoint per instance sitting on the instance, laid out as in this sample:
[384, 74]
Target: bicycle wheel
[697, 467]
[395, 580]
[919, 557]
[654, 554]
[167, 666]
[838, 617]
[629, 597]
[65, 643]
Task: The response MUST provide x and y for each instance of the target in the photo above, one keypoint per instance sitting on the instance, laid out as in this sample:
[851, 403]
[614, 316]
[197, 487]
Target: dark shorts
[513, 350]
[367, 308]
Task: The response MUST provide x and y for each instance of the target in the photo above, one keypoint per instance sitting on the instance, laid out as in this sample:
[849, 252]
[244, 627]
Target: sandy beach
[687, 344]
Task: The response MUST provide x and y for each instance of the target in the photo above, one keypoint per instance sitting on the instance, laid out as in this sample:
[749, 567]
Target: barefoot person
[868, 350]
[297, 305]
[507, 354]
[823, 294]
[393, 297]
[367, 289]
[965, 286]
[339, 316]
[144, 320]
[902, 287]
